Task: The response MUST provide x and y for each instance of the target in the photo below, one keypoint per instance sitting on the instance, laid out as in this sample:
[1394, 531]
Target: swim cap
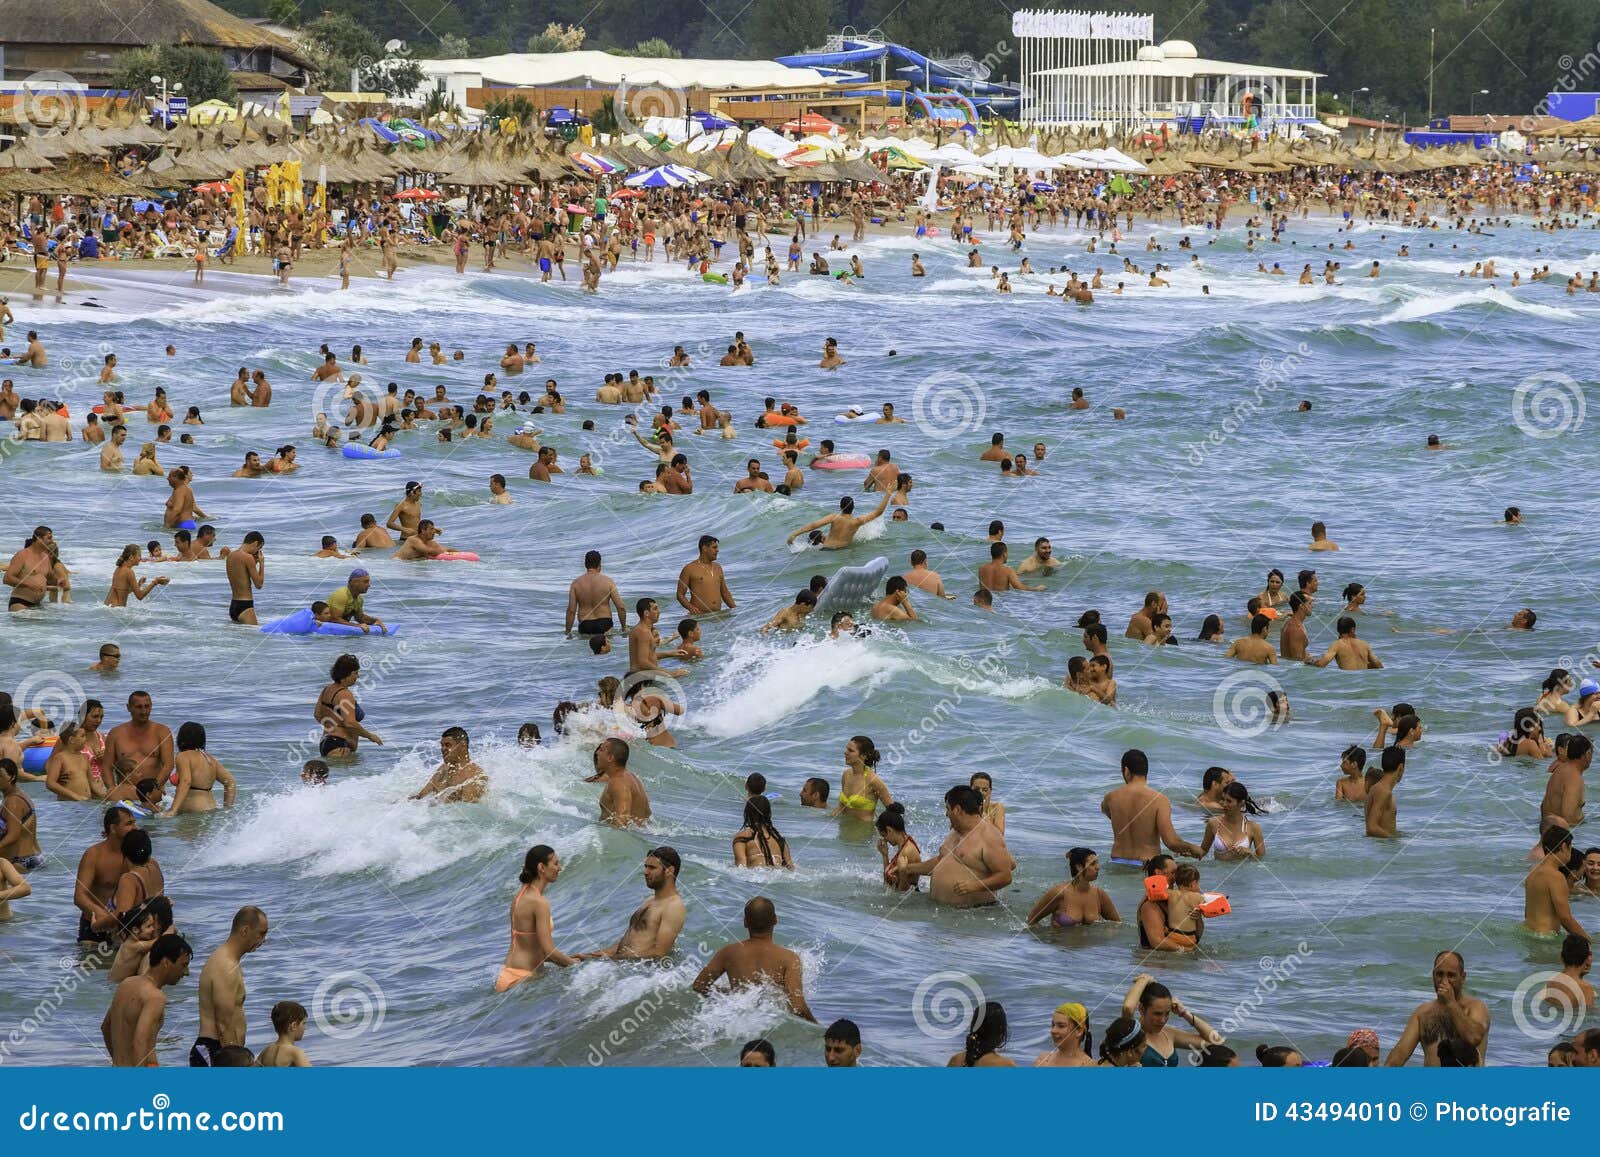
[1588, 687]
[1074, 1010]
[1364, 1038]
[359, 573]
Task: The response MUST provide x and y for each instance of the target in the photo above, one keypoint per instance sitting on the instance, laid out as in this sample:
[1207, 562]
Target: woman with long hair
[891, 825]
[860, 789]
[1232, 834]
[758, 844]
[1077, 901]
[985, 1038]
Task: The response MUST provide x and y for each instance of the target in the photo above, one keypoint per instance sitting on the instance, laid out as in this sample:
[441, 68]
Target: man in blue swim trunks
[1141, 817]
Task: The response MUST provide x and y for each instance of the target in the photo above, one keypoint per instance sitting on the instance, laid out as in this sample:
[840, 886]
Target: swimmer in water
[843, 526]
[458, 779]
[532, 924]
[1079, 900]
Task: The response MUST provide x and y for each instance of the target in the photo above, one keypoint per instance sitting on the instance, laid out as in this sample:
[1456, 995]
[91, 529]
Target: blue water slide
[832, 59]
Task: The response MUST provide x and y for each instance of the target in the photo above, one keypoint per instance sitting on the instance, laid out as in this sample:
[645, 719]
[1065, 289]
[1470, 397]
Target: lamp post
[1353, 98]
[177, 87]
[1473, 100]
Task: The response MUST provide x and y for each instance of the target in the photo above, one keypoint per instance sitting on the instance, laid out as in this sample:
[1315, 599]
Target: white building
[601, 70]
[1170, 83]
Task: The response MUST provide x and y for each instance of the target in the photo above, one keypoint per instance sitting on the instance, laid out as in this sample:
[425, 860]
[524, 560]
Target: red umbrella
[214, 187]
[810, 123]
[417, 195]
[625, 194]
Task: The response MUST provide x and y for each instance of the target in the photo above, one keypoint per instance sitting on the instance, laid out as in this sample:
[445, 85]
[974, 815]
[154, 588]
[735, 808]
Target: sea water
[389, 918]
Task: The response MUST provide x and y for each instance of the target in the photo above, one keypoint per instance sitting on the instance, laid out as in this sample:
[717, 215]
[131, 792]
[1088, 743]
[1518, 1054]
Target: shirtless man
[754, 480]
[654, 926]
[924, 579]
[997, 451]
[372, 536]
[884, 475]
[1450, 1015]
[1040, 559]
[843, 526]
[623, 801]
[702, 587]
[973, 864]
[180, 504]
[1140, 623]
[1352, 653]
[545, 465]
[111, 460]
[222, 991]
[239, 392]
[423, 544]
[99, 870]
[139, 749]
[457, 779]
[139, 1008]
[247, 570]
[644, 638]
[1562, 805]
[532, 926]
[793, 616]
[1254, 647]
[1379, 806]
[34, 355]
[1141, 816]
[1319, 538]
[590, 599]
[1546, 904]
[29, 570]
[757, 960]
[895, 606]
[1293, 639]
[998, 577]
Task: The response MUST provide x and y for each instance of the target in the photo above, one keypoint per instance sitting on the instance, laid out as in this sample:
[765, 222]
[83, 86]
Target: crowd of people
[119, 891]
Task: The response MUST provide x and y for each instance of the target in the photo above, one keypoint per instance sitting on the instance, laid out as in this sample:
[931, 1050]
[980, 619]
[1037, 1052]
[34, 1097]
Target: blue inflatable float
[303, 622]
[361, 450]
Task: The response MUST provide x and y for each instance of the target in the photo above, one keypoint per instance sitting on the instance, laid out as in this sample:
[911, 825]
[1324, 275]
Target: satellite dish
[395, 46]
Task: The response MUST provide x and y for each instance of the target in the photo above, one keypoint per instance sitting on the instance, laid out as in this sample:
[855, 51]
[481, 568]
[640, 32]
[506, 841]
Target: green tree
[203, 74]
[284, 12]
[338, 46]
[555, 38]
[453, 47]
[655, 46]
[781, 27]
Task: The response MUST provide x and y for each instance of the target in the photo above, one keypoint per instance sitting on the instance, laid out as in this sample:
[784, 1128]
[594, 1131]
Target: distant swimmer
[995, 575]
[831, 359]
[623, 801]
[654, 926]
[843, 526]
[1141, 816]
[532, 925]
[973, 864]
[458, 779]
[1351, 653]
[757, 960]
[1319, 538]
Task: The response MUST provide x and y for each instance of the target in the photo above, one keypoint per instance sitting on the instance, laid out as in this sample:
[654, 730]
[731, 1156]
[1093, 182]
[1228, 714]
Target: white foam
[771, 683]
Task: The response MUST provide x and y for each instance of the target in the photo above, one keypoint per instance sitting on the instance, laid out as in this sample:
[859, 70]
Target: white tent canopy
[603, 70]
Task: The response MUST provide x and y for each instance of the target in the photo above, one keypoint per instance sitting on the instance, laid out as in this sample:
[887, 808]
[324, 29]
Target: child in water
[289, 1022]
[1183, 902]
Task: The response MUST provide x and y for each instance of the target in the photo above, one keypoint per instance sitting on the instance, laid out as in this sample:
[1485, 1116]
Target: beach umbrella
[214, 187]
[662, 177]
[418, 195]
[810, 123]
